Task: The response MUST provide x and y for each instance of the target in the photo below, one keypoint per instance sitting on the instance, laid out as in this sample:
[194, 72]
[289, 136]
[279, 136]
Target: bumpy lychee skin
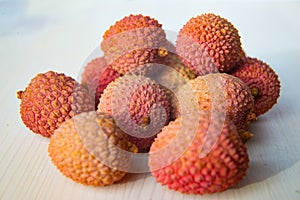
[87, 147]
[92, 72]
[133, 41]
[171, 81]
[172, 74]
[262, 80]
[96, 76]
[135, 101]
[223, 165]
[173, 61]
[49, 99]
[209, 43]
[107, 77]
[174, 103]
[224, 93]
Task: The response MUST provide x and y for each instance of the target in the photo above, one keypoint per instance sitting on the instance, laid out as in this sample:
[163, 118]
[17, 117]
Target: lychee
[224, 93]
[199, 155]
[209, 43]
[92, 71]
[96, 76]
[133, 41]
[49, 99]
[90, 149]
[262, 81]
[139, 105]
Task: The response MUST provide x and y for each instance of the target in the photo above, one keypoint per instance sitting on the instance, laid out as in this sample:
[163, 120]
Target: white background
[37, 36]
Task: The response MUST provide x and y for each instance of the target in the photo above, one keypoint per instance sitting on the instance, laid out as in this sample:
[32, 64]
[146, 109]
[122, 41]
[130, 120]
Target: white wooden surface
[36, 36]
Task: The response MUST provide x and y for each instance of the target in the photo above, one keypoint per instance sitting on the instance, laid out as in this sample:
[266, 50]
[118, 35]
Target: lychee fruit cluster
[187, 105]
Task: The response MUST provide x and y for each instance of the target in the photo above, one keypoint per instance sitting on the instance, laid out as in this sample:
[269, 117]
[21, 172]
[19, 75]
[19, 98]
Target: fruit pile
[186, 106]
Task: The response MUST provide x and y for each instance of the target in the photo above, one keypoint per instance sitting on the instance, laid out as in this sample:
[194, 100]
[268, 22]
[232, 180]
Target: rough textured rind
[223, 167]
[96, 76]
[133, 41]
[173, 61]
[131, 22]
[174, 103]
[171, 81]
[209, 43]
[172, 74]
[262, 80]
[92, 72]
[82, 146]
[224, 93]
[49, 99]
[107, 77]
[130, 99]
